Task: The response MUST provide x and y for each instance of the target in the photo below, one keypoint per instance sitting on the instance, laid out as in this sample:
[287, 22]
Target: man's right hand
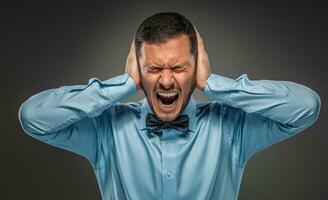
[131, 66]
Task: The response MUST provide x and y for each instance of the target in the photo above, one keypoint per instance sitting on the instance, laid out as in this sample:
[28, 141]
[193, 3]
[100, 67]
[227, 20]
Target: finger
[132, 48]
[202, 54]
[200, 41]
[131, 57]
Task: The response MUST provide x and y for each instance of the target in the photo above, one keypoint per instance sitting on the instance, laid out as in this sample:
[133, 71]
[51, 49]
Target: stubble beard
[167, 115]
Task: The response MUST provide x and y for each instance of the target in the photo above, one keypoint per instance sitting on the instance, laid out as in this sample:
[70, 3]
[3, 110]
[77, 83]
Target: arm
[265, 113]
[66, 117]
[270, 110]
[69, 117]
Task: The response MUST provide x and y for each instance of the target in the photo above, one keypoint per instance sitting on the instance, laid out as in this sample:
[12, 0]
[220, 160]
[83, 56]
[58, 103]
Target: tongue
[167, 100]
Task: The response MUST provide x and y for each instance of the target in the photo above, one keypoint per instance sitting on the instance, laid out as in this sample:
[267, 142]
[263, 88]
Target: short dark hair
[163, 26]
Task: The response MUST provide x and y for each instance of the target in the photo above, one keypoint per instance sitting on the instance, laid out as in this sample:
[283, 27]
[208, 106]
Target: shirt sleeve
[267, 111]
[69, 117]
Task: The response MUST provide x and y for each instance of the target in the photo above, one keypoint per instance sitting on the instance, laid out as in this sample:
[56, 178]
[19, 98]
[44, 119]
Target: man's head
[166, 48]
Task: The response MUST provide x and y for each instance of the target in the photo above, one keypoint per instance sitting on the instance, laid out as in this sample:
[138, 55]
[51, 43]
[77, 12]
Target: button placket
[168, 169]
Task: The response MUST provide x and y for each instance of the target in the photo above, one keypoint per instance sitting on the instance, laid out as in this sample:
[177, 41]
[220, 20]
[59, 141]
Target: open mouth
[167, 99]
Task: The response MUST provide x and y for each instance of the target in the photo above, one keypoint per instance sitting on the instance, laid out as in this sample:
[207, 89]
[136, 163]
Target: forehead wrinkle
[165, 54]
[163, 60]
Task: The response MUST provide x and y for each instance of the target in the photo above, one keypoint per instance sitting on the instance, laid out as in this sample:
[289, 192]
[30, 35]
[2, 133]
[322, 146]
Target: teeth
[167, 94]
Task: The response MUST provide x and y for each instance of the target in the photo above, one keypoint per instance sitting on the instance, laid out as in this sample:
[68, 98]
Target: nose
[166, 79]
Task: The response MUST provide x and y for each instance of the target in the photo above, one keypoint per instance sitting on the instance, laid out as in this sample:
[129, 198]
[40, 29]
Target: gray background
[46, 45]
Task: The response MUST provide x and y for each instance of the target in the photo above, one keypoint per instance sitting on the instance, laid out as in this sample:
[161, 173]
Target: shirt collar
[190, 111]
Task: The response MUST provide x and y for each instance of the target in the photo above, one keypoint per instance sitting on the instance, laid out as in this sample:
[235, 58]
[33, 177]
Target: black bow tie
[155, 125]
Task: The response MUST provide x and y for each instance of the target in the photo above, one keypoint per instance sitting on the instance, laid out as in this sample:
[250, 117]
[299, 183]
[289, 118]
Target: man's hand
[131, 66]
[203, 63]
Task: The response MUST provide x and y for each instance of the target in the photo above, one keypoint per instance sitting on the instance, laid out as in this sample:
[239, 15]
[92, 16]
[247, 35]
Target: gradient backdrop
[45, 45]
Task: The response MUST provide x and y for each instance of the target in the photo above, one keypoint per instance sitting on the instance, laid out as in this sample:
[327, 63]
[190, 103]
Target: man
[168, 145]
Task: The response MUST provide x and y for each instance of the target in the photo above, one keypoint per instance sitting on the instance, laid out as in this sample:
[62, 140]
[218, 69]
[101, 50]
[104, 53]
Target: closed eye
[179, 68]
[153, 69]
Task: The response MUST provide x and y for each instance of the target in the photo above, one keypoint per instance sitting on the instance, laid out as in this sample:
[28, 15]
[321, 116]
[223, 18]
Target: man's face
[168, 76]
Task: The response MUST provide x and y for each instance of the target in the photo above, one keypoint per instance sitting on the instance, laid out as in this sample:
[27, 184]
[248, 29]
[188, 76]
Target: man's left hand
[203, 63]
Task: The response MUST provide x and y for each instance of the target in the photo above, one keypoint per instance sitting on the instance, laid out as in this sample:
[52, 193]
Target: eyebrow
[155, 65]
[148, 66]
[184, 64]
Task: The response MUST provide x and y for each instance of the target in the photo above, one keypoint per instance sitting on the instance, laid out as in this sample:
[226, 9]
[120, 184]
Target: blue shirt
[244, 117]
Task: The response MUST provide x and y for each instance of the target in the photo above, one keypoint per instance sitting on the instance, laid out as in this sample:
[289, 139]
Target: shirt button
[168, 174]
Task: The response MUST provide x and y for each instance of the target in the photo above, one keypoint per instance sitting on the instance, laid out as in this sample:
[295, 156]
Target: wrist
[202, 83]
[135, 81]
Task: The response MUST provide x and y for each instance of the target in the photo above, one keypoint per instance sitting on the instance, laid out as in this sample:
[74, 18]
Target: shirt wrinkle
[242, 118]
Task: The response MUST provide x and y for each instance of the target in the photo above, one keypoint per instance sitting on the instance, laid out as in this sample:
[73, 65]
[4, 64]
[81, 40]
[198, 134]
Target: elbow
[34, 115]
[306, 111]
[26, 118]
[314, 104]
